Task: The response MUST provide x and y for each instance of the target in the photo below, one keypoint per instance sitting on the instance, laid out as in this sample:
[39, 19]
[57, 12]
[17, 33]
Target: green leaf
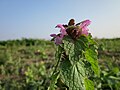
[72, 56]
[68, 44]
[91, 57]
[89, 85]
[73, 75]
[74, 48]
[90, 40]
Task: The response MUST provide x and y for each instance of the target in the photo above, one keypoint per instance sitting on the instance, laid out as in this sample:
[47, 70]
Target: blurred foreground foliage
[27, 64]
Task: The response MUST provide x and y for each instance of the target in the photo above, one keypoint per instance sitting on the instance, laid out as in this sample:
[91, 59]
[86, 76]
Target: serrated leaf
[68, 44]
[89, 85]
[73, 75]
[90, 40]
[74, 48]
[91, 57]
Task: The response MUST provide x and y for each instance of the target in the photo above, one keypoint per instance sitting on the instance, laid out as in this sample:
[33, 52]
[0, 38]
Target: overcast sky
[38, 18]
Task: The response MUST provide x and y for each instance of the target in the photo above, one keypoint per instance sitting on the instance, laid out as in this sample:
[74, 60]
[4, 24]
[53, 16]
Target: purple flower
[85, 31]
[53, 35]
[62, 29]
[85, 23]
[57, 38]
[60, 26]
[84, 28]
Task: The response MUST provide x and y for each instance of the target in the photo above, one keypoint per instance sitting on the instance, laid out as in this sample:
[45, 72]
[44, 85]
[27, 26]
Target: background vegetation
[27, 64]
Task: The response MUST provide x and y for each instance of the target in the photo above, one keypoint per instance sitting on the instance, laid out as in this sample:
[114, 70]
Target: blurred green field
[27, 64]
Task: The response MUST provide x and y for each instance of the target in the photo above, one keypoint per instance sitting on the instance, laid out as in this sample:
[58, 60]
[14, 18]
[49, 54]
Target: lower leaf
[73, 76]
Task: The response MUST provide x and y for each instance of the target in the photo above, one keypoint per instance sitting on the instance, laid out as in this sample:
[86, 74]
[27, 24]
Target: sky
[38, 18]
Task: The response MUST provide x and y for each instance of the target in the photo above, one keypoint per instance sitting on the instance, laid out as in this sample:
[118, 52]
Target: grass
[28, 63]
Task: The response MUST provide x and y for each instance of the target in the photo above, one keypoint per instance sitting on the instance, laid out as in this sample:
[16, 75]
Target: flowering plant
[76, 57]
[75, 31]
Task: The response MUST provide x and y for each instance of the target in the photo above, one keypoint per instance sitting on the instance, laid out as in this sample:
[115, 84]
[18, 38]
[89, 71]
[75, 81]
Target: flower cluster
[58, 38]
[74, 31]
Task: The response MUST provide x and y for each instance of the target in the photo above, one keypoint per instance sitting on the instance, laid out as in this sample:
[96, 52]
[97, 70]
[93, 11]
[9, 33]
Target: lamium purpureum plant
[76, 57]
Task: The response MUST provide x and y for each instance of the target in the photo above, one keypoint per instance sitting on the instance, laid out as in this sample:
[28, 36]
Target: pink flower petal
[85, 31]
[60, 26]
[85, 23]
[63, 31]
[58, 40]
